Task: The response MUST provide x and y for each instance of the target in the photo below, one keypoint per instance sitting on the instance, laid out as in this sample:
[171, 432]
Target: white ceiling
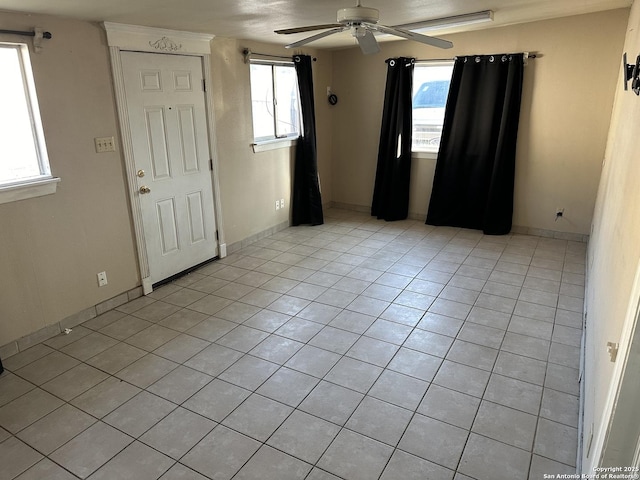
[256, 19]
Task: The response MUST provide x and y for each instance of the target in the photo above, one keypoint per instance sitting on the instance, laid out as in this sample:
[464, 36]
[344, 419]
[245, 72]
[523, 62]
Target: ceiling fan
[362, 22]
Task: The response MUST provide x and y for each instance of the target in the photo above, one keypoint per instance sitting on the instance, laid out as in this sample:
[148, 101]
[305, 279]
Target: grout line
[414, 327]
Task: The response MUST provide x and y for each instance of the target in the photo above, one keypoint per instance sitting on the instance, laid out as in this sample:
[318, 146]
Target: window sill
[29, 189]
[266, 145]
[426, 155]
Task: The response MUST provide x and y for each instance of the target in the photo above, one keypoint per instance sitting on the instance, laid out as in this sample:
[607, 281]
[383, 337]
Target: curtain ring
[392, 63]
[297, 58]
[491, 59]
[504, 58]
[478, 59]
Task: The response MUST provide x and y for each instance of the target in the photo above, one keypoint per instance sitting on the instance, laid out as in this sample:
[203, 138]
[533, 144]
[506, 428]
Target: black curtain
[473, 184]
[391, 189]
[306, 202]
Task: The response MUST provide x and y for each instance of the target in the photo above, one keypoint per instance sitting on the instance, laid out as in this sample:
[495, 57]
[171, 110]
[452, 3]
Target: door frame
[620, 403]
[121, 37]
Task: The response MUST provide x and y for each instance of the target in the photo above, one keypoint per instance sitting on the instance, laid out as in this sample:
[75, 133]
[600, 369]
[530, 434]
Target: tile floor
[359, 349]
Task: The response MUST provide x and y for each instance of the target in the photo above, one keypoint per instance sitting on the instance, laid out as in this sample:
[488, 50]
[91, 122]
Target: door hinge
[204, 85]
[211, 164]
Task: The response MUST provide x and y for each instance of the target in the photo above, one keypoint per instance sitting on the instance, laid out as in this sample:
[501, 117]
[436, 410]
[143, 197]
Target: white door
[168, 123]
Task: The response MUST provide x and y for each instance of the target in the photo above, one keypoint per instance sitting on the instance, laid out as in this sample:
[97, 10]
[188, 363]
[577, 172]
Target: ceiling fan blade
[315, 37]
[368, 43]
[310, 28]
[416, 37]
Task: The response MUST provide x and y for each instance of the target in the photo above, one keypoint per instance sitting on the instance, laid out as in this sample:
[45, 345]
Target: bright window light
[23, 155]
[275, 102]
[431, 81]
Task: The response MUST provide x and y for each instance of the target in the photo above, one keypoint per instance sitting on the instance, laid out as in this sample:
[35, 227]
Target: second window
[431, 81]
[274, 101]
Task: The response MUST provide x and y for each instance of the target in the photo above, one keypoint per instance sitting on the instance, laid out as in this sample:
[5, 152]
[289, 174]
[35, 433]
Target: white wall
[614, 249]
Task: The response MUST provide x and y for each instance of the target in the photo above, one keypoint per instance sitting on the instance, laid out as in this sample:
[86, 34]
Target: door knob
[144, 189]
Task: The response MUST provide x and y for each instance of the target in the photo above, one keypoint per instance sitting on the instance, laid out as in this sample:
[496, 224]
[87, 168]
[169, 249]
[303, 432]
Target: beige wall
[251, 182]
[52, 247]
[567, 100]
[614, 249]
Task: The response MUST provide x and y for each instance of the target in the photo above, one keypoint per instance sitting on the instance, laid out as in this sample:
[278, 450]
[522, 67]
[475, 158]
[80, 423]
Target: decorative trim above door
[146, 39]
[121, 37]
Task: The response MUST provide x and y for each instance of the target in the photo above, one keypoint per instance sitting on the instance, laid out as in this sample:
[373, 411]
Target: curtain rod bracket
[38, 35]
[247, 55]
[526, 56]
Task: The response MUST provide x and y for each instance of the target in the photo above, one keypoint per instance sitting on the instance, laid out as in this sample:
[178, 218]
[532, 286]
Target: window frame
[261, 144]
[44, 183]
[421, 153]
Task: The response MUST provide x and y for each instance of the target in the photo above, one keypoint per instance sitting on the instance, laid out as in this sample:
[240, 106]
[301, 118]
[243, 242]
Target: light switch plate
[105, 144]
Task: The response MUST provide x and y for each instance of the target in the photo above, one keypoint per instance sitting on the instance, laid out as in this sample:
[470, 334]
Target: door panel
[167, 116]
[196, 217]
[188, 141]
[151, 80]
[167, 226]
[159, 155]
[182, 81]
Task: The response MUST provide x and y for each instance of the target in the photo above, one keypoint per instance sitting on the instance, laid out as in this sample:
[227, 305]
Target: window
[430, 90]
[24, 166]
[274, 101]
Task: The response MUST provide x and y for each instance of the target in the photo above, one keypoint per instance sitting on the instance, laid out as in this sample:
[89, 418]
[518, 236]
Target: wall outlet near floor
[277, 205]
[282, 203]
[102, 279]
[105, 144]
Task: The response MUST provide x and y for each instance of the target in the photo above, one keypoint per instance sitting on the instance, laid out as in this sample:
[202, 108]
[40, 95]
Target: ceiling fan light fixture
[484, 16]
[358, 15]
[358, 31]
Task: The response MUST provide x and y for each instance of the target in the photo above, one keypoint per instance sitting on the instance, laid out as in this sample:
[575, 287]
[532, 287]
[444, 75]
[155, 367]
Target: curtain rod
[26, 34]
[248, 54]
[527, 56]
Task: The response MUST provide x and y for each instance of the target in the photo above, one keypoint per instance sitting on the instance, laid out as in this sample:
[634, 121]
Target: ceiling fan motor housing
[347, 16]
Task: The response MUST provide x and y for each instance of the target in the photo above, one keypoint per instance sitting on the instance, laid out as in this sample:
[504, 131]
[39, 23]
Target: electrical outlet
[105, 144]
[102, 279]
[277, 205]
[282, 203]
